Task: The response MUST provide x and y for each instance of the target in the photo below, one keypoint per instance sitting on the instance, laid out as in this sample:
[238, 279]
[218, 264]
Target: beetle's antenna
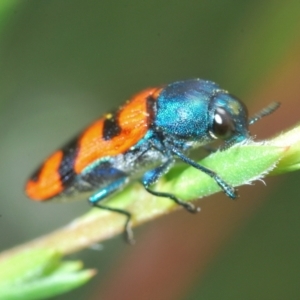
[264, 112]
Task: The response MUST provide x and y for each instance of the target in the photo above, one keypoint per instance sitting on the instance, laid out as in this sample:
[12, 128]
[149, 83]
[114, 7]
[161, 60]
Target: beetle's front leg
[152, 176]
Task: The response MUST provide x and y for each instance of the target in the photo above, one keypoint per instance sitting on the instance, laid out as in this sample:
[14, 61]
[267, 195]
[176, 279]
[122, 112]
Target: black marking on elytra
[111, 127]
[66, 168]
[150, 106]
[35, 176]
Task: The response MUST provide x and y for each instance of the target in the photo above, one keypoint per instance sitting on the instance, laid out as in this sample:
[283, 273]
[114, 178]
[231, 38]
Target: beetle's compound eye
[223, 126]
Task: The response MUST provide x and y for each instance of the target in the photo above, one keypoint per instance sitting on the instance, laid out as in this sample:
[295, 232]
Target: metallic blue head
[200, 111]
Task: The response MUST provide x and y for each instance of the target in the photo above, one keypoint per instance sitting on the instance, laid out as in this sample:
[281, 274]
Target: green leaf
[291, 159]
[237, 166]
[38, 274]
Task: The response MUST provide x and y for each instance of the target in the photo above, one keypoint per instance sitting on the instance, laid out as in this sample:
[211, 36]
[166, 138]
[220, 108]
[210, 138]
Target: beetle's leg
[150, 177]
[228, 189]
[106, 191]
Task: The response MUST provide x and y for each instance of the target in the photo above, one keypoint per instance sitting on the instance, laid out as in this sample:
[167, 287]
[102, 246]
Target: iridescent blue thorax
[200, 111]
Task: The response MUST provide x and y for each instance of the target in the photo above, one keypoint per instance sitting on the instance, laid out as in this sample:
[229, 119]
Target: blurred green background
[65, 63]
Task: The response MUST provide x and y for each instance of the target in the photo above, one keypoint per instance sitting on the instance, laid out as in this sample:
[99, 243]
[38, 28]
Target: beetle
[141, 140]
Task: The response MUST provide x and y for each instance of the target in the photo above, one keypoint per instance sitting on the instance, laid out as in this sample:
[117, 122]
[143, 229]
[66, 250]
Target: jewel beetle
[141, 141]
